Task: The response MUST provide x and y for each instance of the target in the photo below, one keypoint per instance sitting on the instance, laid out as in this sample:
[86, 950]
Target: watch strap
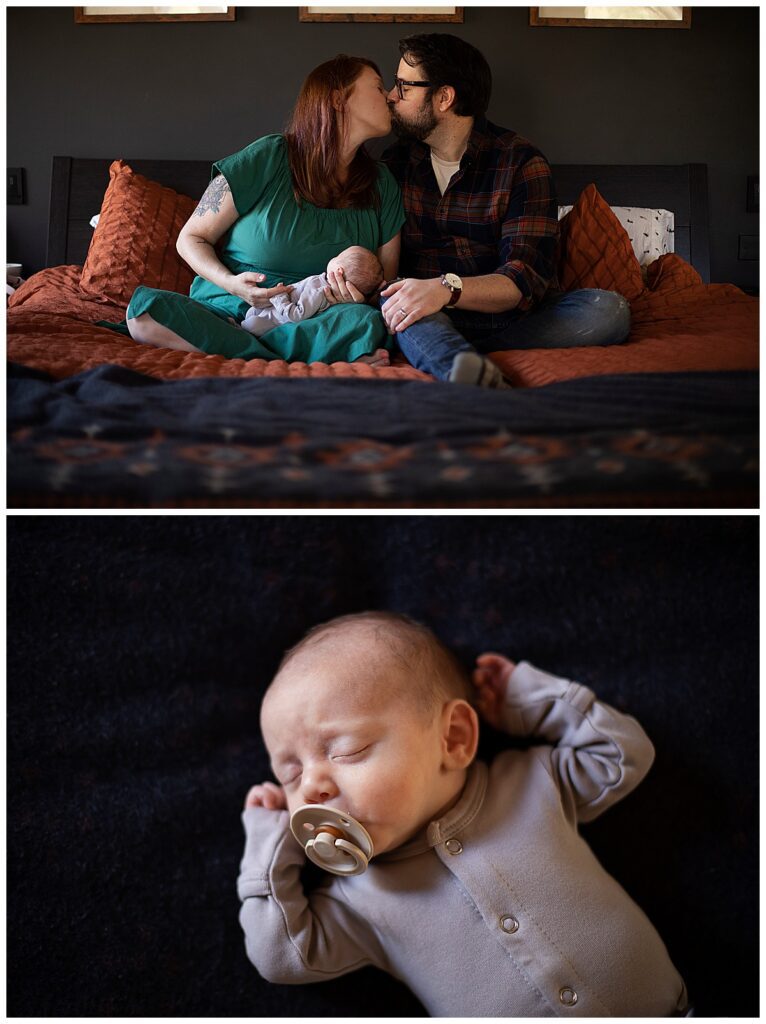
[455, 293]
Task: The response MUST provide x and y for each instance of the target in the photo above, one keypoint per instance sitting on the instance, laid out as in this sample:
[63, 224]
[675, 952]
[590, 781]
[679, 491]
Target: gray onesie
[499, 908]
[306, 299]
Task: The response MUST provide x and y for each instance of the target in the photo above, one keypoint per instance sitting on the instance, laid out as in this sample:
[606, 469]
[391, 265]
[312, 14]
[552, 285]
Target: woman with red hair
[277, 212]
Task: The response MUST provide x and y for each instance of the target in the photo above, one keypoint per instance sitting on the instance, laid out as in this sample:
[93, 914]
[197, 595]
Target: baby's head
[361, 267]
[370, 714]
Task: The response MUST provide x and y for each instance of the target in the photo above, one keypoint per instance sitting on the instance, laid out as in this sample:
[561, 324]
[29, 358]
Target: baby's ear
[461, 734]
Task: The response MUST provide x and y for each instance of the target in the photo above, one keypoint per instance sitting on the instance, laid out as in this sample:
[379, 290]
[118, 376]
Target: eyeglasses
[400, 82]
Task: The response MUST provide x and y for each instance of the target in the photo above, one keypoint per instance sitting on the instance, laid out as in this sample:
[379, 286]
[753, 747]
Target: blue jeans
[588, 316]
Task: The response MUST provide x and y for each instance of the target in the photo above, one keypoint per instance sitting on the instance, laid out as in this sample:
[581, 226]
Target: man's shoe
[471, 368]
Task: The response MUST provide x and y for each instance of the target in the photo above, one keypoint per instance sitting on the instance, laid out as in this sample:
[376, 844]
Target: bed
[669, 419]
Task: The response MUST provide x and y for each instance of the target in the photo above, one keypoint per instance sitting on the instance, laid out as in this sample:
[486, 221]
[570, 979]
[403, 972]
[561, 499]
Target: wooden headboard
[78, 186]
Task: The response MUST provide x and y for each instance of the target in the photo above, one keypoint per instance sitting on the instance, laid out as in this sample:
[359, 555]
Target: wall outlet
[15, 184]
[748, 247]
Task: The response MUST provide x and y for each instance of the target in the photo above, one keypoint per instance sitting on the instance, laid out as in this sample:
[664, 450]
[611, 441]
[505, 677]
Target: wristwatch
[455, 285]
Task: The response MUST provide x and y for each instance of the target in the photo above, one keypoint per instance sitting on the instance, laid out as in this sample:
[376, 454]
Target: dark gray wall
[203, 90]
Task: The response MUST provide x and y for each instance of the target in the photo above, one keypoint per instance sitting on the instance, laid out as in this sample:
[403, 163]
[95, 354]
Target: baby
[480, 893]
[360, 267]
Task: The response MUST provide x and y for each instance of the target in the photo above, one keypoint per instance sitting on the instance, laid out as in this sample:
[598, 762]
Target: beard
[416, 130]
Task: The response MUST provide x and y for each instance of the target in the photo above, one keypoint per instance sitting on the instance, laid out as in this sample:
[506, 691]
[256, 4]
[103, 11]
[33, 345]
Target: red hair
[314, 140]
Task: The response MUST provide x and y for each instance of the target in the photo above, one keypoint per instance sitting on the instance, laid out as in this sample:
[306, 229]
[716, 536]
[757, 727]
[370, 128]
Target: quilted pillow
[595, 249]
[135, 240]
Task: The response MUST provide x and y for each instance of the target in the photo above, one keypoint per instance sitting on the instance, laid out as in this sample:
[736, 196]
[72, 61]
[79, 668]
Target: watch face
[453, 280]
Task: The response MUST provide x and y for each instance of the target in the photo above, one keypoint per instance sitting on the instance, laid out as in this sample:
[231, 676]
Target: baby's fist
[267, 795]
[490, 677]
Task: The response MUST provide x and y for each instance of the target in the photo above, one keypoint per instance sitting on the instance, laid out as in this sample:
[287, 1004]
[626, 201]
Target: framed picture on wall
[612, 17]
[386, 13]
[171, 12]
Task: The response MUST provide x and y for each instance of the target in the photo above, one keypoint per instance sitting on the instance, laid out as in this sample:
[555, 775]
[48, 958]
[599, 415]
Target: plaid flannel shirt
[499, 214]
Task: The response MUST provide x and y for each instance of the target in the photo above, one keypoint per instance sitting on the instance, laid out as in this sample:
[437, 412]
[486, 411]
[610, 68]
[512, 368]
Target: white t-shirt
[443, 171]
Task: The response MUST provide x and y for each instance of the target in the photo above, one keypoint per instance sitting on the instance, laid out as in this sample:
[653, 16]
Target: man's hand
[247, 287]
[267, 795]
[409, 300]
[490, 677]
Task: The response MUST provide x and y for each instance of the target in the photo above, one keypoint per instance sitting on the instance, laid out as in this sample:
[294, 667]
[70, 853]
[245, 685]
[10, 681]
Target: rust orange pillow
[595, 249]
[135, 240]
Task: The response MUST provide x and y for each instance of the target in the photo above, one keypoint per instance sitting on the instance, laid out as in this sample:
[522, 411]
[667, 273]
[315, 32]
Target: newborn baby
[480, 894]
[308, 297]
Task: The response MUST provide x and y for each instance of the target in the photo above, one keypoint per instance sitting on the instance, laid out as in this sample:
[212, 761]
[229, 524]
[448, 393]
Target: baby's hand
[267, 795]
[490, 677]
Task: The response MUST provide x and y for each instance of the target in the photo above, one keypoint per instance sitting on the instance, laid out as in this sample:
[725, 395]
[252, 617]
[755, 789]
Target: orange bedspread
[679, 324]
[51, 327]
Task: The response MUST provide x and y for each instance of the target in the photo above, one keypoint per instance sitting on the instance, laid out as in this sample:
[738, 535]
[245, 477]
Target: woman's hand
[341, 290]
[267, 795]
[247, 287]
[490, 677]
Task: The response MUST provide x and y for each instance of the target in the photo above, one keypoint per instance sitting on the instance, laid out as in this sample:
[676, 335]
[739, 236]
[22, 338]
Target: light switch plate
[15, 184]
[752, 194]
[748, 247]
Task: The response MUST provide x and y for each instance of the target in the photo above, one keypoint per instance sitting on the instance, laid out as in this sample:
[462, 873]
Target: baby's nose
[318, 789]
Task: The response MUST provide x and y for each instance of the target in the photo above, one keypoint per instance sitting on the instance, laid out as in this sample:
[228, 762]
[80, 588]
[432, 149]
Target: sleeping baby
[360, 267]
[468, 881]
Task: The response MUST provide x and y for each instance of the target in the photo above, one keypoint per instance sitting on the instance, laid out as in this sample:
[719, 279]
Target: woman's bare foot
[378, 358]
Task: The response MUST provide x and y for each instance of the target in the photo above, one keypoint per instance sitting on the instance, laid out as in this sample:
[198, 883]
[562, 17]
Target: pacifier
[332, 839]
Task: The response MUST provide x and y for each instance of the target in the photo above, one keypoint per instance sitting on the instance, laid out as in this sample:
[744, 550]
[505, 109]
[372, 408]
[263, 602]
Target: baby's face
[342, 733]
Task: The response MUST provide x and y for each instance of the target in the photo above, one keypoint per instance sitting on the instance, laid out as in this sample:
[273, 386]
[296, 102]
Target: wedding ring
[402, 312]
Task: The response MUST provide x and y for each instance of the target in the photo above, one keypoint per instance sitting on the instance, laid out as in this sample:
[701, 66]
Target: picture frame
[384, 14]
[537, 19]
[114, 15]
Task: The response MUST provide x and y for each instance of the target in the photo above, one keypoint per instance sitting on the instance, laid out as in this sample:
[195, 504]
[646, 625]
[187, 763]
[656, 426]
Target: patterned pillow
[650, 231]
[135, 240]
[595, 249]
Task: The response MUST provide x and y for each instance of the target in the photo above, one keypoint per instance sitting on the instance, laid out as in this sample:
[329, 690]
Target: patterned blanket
[113, 436]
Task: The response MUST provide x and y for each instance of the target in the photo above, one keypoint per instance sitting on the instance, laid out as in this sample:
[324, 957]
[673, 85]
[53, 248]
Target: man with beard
[479, 243]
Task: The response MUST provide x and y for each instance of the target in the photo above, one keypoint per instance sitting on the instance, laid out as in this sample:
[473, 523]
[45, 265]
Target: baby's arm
[305, 302]
[308, 299]
[595, 754]
[291, 938]
[259, 320]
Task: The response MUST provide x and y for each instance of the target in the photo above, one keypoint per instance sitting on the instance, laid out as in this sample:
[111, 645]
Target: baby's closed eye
[286, 776]
[351, 753]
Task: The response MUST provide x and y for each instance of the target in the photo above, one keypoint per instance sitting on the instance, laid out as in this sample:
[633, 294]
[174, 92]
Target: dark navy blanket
[115, 433]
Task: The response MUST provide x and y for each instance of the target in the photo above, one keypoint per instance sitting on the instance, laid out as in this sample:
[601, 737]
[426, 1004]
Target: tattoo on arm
[213, 197]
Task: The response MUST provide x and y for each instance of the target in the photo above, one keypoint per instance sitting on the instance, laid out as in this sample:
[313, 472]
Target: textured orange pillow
[135, 240]
[595, 249]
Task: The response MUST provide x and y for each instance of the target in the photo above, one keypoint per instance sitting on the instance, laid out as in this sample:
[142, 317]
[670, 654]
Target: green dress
[286, 241]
